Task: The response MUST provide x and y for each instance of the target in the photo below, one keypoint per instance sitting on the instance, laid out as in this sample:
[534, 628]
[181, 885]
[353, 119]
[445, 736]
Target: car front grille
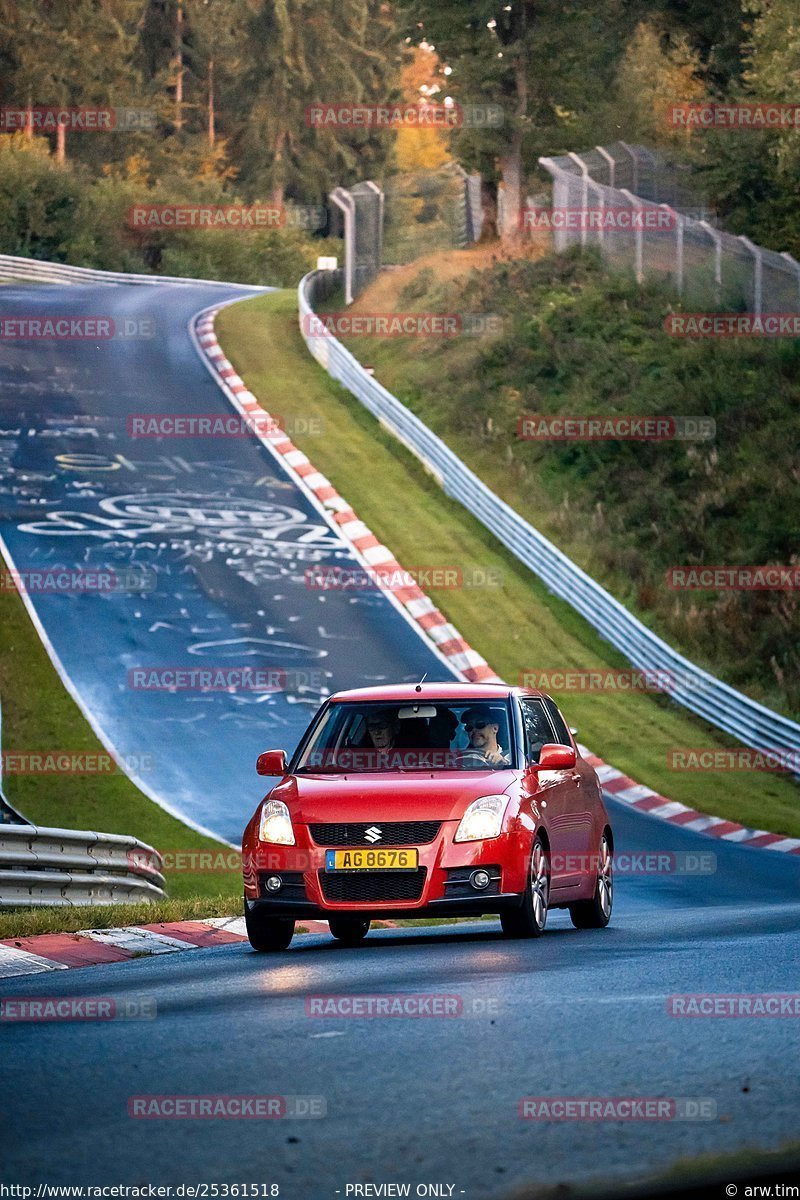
[372, 886]
[392, 833]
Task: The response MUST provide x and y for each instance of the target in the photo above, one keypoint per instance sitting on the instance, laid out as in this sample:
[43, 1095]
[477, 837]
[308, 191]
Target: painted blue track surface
[217, 521]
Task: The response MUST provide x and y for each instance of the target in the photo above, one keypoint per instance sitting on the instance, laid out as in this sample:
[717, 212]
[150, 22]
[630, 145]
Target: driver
[482, 728]
[383, 728]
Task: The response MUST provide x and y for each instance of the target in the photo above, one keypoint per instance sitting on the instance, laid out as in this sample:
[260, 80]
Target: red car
[428, 800]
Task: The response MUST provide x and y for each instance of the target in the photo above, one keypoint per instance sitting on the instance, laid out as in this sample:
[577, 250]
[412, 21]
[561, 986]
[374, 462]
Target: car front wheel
[266, 932]
[530, 918]
[349, 930]
[596, 913]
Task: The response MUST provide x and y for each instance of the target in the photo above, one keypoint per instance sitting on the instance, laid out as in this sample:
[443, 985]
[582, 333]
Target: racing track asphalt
[217, 522]
[408, 1100]
[430, 1100]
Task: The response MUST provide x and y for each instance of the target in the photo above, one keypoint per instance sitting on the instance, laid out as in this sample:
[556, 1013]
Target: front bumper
[440, 887]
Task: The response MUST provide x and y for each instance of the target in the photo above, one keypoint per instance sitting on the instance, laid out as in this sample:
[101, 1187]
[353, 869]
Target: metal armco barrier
[42, 867]
[31, 270]
[48, 867]
[721, 705]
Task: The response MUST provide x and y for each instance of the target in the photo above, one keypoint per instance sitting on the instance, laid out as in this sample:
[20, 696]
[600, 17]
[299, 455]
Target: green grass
[39, 714]
[30, 922]
[579, 340]
[515, 626]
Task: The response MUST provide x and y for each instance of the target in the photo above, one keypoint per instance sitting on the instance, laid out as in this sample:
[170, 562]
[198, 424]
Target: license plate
[371, 860]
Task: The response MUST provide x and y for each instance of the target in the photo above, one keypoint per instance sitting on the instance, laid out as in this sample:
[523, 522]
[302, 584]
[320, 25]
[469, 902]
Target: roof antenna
[418, 688]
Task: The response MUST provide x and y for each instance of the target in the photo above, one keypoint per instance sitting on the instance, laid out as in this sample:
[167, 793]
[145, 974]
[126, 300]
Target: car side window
[537, 728]
[559, 725]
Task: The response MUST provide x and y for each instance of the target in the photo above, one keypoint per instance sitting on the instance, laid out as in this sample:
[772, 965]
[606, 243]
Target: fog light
[480, 879]
[274, 883]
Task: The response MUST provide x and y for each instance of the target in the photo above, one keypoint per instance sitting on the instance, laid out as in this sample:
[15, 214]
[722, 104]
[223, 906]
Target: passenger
[482, 727]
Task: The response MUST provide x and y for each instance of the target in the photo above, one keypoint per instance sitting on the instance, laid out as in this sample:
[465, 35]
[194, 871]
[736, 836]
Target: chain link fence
[415, 213]
[641, 213]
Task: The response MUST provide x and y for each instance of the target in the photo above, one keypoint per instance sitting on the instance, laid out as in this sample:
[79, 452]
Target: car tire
[266, 932]
[349, 930]
[530, 918]
[596, 913]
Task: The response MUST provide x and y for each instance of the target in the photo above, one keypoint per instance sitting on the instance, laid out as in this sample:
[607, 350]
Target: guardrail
[59, 867]
[31, 270]
[41, 866]
[689, 685]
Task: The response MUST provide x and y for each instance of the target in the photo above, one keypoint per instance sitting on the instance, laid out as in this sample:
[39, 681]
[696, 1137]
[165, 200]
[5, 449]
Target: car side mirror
[271, 762]
[553, 757]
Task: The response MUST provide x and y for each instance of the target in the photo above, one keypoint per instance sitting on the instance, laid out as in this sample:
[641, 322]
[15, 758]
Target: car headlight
[275, 824]
[482, 820]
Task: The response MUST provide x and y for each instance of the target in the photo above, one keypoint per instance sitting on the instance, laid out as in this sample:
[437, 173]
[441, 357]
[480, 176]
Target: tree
[654, 74]
[297, 54]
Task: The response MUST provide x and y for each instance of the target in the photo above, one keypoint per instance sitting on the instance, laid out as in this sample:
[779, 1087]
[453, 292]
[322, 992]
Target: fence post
[576, 158]
[717, 240]
[368, 183]
[678, 246]
[612, 166]
[635, 184]
[344, 201]
[795, 266]
[758, 275]
[638, 205]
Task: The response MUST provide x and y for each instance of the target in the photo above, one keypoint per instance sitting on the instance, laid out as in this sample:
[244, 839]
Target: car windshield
[430, 735]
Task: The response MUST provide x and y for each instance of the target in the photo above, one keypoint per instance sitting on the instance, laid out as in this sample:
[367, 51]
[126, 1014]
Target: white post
[638, 205]
[635, 186]
[576, 158]
[758, 278]
[344, 201]
[678, 246]
[375, 188]
[795, 266]
[717, 240]
[611, 163]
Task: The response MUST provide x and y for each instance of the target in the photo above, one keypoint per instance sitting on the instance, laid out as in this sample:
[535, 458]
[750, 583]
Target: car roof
[434, 691]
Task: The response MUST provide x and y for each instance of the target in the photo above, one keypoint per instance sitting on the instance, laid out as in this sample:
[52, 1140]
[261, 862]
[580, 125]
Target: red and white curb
[94, 947]
[449, 643]
[618, 786]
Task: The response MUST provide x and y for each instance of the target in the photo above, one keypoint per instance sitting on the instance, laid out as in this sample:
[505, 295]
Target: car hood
[412, 796]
